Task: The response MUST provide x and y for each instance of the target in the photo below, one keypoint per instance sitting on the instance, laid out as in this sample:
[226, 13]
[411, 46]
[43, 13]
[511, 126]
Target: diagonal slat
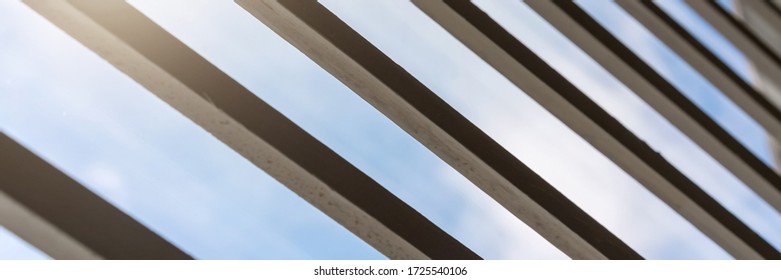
[763, 19]
[64, 219]
[186, 81]
[627, 67]
[719, 74]
[753, 102]
[337, 48]
[657, 92]
[761, 56]
[531, 74]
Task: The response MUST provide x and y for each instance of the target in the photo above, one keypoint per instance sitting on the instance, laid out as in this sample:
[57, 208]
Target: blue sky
[100, 127]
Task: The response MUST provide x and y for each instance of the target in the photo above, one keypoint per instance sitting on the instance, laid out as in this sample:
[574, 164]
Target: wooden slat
[551, 90]
[337, 48]
[706, 63]
[65, 220]
[657, 92]
[763, 19]
[758, 53]
[176, 74]
[719, 74]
